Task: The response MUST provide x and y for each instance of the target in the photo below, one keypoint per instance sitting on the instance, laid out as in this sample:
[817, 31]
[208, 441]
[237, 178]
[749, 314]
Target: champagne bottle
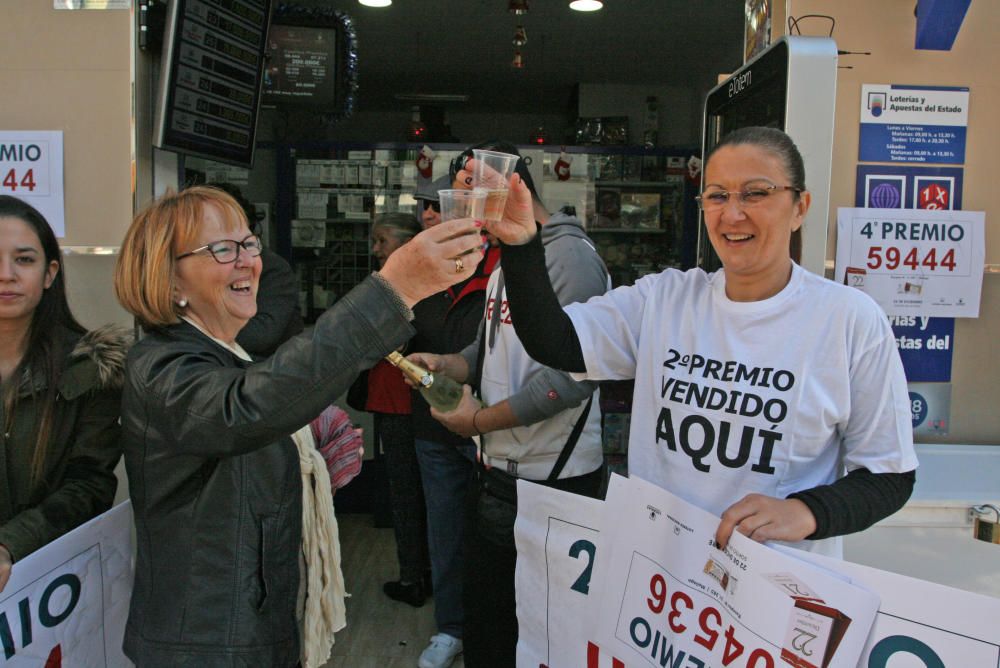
[439, 390]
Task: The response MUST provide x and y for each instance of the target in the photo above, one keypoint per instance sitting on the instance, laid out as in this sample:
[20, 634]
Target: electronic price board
[211, 74]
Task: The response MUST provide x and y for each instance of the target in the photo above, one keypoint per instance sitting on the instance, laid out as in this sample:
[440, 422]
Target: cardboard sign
[67, 603]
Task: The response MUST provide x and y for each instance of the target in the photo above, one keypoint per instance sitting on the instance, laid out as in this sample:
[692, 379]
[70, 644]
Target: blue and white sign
[925, 346]
[930, 408]
[913, 124]
[906, 187]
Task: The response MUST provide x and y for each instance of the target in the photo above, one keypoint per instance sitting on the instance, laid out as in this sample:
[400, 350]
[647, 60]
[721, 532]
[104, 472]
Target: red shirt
[387, 391]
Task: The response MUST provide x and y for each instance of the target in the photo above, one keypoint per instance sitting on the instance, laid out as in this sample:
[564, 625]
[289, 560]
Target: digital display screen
[302, 67]
[210, 84]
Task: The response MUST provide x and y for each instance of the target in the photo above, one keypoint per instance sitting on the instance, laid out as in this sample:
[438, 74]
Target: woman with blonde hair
[224, 478]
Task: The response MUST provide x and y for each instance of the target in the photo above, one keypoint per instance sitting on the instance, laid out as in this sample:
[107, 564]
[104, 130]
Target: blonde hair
[146, 267]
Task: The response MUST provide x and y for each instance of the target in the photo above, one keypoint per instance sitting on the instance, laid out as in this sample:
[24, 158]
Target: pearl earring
[182, 303]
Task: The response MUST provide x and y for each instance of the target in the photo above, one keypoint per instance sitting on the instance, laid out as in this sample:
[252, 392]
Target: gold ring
[459, 265]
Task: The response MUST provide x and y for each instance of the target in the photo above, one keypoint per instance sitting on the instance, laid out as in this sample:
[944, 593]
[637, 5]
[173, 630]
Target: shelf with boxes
[335, 201]
[637, 204]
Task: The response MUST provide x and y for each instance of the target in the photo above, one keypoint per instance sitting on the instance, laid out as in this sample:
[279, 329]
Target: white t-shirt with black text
[773, 396]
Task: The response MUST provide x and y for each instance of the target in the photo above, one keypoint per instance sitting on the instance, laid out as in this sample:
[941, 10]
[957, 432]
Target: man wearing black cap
[428, 202]
[445, 323]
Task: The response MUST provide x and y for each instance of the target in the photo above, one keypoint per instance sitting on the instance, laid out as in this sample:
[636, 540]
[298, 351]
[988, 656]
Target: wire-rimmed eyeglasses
[711, 200]
[226, 251]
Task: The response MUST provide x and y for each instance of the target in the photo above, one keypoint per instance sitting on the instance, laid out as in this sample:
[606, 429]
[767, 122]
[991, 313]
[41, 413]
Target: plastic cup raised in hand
[456, 204]
[492, 175]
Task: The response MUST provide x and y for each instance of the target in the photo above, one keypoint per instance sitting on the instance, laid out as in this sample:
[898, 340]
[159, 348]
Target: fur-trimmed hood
[97, 361]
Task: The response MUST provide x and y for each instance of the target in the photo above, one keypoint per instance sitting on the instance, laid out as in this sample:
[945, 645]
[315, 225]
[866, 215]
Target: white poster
[557, 534]
[31, 169]
[67, 603]
[925, 625]
[637, 581]
[633, 581]
[914, 262]
[670, 592]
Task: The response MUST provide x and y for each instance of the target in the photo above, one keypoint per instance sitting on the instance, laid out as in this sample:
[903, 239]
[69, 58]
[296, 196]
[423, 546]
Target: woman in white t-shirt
[763, 393]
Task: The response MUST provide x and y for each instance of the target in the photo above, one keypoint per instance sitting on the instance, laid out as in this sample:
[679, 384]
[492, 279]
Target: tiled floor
[380, 632]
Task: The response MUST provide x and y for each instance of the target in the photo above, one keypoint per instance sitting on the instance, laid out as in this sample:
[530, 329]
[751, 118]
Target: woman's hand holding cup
[434, 260]
[517, 226]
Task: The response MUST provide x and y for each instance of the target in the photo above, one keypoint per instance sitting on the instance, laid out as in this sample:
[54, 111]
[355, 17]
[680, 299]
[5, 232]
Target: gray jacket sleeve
[577, 274]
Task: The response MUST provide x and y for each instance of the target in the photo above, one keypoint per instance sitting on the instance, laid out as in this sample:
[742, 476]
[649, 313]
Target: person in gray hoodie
[538, 424]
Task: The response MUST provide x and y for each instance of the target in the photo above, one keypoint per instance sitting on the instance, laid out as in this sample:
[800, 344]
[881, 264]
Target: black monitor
[210, 81]
[311, 60]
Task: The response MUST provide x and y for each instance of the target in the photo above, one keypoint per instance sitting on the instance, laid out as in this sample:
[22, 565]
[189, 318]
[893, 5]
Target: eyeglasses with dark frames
[225, 251]
[430, 204]
[712, 200]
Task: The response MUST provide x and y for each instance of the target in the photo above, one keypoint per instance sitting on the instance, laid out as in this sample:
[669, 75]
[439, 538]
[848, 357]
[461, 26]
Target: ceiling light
[586, 5]
[375, 3]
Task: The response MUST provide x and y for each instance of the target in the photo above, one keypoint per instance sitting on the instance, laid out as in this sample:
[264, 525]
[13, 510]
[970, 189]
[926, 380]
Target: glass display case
[637, 205]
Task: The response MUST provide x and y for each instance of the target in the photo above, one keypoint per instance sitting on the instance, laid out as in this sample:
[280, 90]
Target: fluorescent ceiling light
[586, 5]
[375, 3]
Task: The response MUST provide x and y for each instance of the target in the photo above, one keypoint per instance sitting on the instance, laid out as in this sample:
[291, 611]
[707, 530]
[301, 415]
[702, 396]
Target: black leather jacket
[215, 481]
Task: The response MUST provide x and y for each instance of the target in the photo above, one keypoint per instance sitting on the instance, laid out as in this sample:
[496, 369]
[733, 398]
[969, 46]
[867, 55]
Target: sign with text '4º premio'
[913, 124]
[31, 169]
[914, 262]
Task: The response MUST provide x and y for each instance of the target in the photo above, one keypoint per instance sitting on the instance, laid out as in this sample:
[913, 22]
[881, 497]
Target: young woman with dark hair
[60, 392]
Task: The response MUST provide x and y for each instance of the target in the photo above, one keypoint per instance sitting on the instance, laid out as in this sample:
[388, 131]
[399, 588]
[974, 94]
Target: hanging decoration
[520, 36]
[562, 165]
[694, 169]
[425, 162]
[518, 62]
[418, 129]
[517, 7]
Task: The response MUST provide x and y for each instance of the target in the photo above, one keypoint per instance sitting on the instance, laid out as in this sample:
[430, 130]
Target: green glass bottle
[439, 390]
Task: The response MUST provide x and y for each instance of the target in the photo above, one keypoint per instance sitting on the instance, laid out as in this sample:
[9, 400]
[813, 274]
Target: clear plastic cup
[492, 176]
[457, 204]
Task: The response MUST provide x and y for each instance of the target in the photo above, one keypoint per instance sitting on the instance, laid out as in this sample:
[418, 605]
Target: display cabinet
[637, 205]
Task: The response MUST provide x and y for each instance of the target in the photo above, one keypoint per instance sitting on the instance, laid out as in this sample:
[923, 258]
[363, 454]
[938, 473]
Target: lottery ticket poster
[31, 169]
[923, 624]
[670, 592]
[914, 262]
[558, 537]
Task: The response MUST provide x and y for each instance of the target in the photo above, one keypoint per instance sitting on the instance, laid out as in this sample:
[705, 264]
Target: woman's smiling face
[752, 238]
[221, 298]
